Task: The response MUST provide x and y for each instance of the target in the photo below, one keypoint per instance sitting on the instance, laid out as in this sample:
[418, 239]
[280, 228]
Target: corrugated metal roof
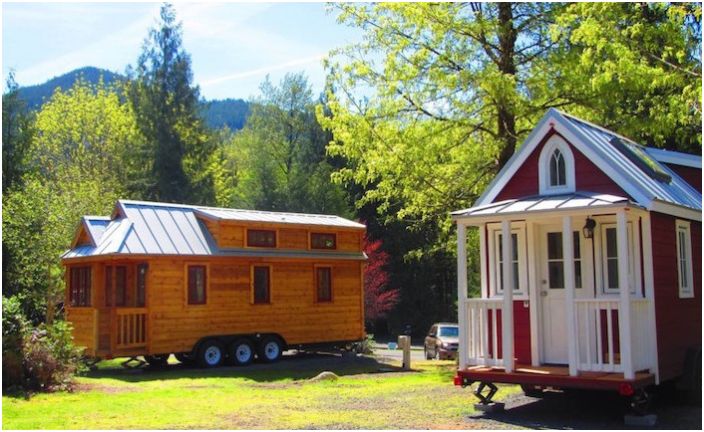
[95, 226]
[676, 191]
[575, 201]
[148, 228]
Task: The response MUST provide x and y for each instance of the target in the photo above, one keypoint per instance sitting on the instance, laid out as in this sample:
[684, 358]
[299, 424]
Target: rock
[325, 376]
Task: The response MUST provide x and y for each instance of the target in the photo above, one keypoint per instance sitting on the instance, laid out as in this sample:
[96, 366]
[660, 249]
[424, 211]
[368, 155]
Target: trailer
[600, 241]
[213, 285]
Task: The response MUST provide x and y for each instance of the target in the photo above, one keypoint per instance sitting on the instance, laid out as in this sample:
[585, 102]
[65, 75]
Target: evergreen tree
[177, 147]
[17, 131]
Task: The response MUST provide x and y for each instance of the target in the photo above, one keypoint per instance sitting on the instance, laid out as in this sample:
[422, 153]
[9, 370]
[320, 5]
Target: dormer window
[556, 167]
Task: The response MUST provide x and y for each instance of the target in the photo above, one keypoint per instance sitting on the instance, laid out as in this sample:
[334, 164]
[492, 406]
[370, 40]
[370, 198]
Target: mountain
[232, 113]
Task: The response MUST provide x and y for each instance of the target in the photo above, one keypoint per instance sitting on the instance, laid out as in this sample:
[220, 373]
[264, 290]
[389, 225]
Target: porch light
[588, 229]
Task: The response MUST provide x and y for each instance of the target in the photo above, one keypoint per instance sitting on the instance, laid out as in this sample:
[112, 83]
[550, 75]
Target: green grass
[257, 397]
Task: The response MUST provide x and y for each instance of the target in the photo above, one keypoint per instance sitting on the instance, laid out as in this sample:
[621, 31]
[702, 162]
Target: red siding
[693, 176]
[587, 175]
[521, 333]
[679, 321]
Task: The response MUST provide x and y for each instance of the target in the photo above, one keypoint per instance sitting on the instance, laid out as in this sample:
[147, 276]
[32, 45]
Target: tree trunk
[505, 109]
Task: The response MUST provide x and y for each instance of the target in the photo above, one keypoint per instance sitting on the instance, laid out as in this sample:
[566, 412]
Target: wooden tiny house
[155, 279]
[604, 240]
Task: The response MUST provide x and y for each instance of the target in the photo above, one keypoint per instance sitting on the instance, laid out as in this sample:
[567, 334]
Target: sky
[233, 46]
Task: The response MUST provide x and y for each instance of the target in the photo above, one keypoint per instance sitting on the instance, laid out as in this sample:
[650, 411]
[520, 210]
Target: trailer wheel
[210, 354]
[240, 352]
[157, 360]
[269, 349]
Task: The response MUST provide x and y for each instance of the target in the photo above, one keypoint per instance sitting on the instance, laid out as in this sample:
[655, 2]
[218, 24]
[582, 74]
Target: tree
[379, 299]
[282, 152]
[177, 146]
[17, 132]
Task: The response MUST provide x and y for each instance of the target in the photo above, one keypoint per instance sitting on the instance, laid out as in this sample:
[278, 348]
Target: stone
[325, 376]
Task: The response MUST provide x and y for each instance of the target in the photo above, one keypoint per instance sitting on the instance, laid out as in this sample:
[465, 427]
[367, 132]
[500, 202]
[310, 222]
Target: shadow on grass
[290, 367]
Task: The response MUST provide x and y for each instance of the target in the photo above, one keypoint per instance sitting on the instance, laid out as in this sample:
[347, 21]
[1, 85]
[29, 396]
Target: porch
[588, 325]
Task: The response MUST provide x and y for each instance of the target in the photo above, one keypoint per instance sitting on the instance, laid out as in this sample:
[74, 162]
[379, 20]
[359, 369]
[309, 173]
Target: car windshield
[449, 331]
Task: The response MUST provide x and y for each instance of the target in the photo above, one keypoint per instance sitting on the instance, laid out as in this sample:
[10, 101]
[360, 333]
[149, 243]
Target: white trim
[675, 158]
[462, 293]
[569, 275]
[507, 307]
[682, 226]
[624, 317]
[517, 228]
[601, 258]
[533, 285]
[482, 262]
[649, 285]
[675, 210]
[555, 143]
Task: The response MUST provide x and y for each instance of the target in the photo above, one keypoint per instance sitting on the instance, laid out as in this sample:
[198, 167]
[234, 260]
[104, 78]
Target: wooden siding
[85, 327]
[693, 176]
[588, 176]
[679, 321]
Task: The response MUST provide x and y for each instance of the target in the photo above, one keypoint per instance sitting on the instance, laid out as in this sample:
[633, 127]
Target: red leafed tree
[379, 299]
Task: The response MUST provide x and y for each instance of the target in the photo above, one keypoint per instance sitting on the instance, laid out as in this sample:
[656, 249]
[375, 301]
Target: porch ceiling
[535, 205]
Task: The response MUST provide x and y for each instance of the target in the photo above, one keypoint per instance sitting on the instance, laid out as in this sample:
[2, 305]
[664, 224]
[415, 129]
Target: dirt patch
[86, 387]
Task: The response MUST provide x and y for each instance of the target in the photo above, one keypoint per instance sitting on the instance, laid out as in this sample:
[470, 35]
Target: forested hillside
[230, 113]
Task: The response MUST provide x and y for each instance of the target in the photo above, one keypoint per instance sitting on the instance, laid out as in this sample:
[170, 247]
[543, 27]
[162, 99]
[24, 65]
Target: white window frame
[633, 261]
[494, 230]
[552, 144]
[682, 226]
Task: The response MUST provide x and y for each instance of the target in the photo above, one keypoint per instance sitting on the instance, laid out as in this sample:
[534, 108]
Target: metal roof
[275, 217]
[149, 228]
[551, 203]
[95, 226]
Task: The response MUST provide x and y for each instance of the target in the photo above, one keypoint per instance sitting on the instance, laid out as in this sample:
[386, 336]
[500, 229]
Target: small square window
[261, 238]
[323, 241]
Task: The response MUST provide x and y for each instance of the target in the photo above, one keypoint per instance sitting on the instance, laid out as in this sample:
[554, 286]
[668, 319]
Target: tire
[427, 354]
[210, 354]
[533, 392]
[240, 352]
[269, 349]
[159, 360]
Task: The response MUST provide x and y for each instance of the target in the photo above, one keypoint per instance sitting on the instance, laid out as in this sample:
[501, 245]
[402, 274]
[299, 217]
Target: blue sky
[233, 46]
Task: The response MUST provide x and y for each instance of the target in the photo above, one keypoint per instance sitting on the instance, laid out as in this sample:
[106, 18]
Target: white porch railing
[642, 340]
[483, 330]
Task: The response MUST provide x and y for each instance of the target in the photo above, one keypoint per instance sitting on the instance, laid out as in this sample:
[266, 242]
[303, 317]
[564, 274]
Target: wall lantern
[588, 229]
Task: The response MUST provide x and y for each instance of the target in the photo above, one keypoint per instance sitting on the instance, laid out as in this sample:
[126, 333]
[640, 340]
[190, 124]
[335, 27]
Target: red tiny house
[620, 316]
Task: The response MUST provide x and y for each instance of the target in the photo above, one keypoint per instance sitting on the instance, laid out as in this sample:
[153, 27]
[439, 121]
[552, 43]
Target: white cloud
[263, 70]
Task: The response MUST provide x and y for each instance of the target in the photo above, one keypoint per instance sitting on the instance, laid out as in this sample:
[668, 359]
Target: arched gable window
[556, 167]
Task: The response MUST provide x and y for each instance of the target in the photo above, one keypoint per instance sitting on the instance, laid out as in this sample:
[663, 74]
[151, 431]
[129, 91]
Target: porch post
[507, 309]
[624, 316]
[568, 266]
[462, 293]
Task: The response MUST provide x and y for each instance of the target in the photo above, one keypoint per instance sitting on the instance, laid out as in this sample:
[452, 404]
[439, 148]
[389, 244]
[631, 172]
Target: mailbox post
[404, 342]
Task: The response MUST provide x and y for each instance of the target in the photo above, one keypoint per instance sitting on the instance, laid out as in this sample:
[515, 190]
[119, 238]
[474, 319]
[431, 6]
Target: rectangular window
[518, 260]
[684, 260]
[323, 277]
[196, 284]
[514, 261]
[120, 287]
[108, 286]
[323, 241]
[261, 238]
[609, 260]
[556, 269]
[79, 291]
[261, 284]
[141, 284]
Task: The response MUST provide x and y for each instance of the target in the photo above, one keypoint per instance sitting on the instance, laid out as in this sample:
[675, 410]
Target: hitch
[486, 399]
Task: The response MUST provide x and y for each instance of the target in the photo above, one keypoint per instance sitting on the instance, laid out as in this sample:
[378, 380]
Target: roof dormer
[556, 167]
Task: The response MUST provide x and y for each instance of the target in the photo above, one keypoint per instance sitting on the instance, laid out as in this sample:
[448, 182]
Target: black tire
[532, 391]
[240, 352]
[211, 354]
[425, 352]
[185, 358]
[159, 360]
[269, 349]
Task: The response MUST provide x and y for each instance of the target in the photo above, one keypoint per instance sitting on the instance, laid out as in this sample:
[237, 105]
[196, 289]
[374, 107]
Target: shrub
[41, 358]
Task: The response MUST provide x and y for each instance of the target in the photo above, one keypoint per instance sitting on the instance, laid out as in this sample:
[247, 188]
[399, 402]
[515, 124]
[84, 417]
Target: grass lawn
[368, 395]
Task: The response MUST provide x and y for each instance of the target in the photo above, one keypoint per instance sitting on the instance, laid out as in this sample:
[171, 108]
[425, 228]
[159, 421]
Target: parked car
[442, 341]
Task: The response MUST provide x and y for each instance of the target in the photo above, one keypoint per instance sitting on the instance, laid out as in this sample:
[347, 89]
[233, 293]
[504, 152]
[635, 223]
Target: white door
[552, 292]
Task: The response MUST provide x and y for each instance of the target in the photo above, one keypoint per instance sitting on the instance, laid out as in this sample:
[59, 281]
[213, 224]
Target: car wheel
[269, 349]
[211, 354]
[240, 352]
[157, 360]
[437, 354]
[427, 354]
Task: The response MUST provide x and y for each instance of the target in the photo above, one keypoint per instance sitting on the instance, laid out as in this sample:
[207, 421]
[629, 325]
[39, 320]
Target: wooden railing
[131, 326]
[483, 331]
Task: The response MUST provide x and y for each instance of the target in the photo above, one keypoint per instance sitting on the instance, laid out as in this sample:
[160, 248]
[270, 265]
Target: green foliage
[17, 132]
[281, 154]
[177, 146]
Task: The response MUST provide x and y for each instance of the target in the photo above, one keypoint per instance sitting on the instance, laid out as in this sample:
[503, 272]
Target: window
[518, 261]
[261, 238]
[609, 253]
[323, 282]
[556, 167]
[323, 241]
[449, 331]
[556, 264]
[120, 280]
[261, 284]
[197, 275]
[79, 293]
[141, 284]
[684, 260]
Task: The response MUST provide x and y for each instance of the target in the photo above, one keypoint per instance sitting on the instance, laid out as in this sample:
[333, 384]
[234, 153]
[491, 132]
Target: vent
[641, 159]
